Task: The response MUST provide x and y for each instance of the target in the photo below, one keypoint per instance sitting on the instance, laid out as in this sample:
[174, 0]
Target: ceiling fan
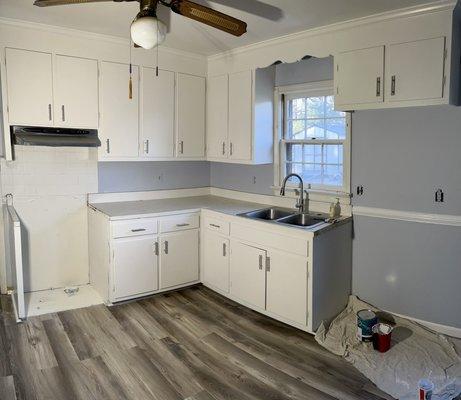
[147, 31]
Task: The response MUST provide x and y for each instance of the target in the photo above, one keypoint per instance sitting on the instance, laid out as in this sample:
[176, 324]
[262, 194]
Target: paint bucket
[425, 387]
[366, 319]
[382, 337]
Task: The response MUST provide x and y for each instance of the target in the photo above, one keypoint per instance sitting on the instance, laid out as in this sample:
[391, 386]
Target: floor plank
[188, 345]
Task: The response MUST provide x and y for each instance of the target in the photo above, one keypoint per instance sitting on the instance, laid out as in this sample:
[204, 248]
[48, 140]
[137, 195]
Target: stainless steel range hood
[55, 137]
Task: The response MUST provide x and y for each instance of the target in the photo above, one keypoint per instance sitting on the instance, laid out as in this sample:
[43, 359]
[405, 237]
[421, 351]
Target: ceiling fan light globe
[148, 32]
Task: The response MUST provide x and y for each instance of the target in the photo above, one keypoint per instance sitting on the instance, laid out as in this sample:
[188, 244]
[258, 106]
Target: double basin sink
[287, 217]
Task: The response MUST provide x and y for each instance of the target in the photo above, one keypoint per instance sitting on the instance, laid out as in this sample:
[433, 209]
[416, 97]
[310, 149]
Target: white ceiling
[293, 16]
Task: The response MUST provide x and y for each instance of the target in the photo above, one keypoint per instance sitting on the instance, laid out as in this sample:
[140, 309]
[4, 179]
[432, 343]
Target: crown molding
[91, 36]
[436, 6]
[408, 216]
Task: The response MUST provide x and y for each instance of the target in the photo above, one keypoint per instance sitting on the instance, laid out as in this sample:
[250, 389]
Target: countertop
[147, 208]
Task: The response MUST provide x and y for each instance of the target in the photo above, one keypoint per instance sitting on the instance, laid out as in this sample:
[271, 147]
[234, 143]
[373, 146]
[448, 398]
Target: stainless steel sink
[303, 220]
[269, 214]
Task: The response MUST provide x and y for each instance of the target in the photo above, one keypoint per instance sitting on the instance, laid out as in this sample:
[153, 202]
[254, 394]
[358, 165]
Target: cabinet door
[216, 261]
[135, 266]
[179, 258]
[30, 87]
[157, 113]
[217, 116]
[415, 70]
[191, 116]
[240, 115]
[247, 274]
[119, 113]
[287, 286]
[359, 77]
[76, 92]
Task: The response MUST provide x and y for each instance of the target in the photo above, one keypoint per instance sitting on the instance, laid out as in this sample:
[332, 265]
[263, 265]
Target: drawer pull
[156, 248]
[215, 226]
[181, 225]
[138, 230]
[224, 250]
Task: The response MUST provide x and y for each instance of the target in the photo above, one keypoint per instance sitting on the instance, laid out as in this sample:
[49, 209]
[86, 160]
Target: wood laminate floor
[192, 344]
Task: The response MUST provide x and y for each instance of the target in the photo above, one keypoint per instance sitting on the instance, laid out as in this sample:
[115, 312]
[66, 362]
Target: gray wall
[401, 157]
[139, 176]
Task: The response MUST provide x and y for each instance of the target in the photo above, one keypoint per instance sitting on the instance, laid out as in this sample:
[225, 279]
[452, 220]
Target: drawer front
[217, 225]
[179, 222]
[134, 227]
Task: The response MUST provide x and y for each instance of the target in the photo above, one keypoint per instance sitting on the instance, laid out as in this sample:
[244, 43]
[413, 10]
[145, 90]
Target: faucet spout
[300, 204]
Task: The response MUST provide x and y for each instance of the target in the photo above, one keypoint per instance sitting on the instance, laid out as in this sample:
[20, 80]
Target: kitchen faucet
[300, 203]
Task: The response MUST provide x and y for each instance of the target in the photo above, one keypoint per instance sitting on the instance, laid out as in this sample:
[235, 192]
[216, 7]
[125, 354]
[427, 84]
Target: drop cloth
[416, 352]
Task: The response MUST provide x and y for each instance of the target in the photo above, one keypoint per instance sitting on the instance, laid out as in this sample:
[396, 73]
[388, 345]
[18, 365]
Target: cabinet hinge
[337, 67]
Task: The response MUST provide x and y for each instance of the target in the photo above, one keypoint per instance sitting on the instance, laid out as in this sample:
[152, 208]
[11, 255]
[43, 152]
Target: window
[314, 139]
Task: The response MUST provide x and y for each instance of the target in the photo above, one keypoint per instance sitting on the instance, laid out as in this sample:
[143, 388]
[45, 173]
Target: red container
[382, 334]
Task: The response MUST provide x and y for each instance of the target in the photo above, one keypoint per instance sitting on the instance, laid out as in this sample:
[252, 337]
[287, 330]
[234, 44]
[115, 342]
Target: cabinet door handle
[393, 85]
[378, 86]
[268, 264]
[260, 261]
[108, 146]
[223, 148]
[147, 146]
[215, 226]
[156, 248]
[49, 112]
[166, 247]
[138, 230]
[224, 250]
[231, 148]
[181, 225]
[181, 147]
[63, 113]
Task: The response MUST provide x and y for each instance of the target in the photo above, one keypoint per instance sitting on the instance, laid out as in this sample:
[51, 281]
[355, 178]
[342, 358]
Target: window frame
[314, 89]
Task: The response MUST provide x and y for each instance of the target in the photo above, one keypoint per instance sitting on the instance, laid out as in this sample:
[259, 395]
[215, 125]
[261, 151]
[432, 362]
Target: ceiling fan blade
[47, 3]
[255, 7]
[209, 17]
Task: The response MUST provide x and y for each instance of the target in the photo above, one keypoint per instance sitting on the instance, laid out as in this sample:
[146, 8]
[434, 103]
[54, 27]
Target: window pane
[295, 152]
[297, 108]
[335, 128]
[312, 173]
[333, 175]
[313, 153]
[315, 129]
[330, 108]
[315, 107]
[332, 154]
[296, 129]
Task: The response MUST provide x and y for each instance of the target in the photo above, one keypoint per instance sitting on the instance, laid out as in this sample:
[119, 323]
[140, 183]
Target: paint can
[382, 337]
[366, 319]
[426, 387]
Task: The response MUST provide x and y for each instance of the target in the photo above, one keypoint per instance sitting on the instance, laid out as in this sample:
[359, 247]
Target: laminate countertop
[158, 207]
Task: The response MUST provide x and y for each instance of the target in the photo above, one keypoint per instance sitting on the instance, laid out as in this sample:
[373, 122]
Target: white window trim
[312, 89]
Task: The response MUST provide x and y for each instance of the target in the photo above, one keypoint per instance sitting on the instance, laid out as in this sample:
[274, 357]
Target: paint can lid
[366, 314]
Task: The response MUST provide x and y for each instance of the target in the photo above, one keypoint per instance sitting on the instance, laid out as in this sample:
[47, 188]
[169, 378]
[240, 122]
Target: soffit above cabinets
[282, 18]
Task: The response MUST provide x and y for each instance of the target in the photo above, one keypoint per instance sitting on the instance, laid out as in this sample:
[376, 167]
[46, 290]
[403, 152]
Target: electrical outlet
[360, 190]
[439, 196]
[254, 180]
[160, 177]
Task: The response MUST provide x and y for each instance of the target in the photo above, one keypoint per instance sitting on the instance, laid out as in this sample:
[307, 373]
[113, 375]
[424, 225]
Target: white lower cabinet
[135, 266]
[248, 282]
[179, 258]
[286, 279]
[216, 258]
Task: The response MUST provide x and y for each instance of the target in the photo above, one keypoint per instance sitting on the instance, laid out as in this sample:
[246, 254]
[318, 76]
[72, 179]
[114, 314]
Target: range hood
[55, 137]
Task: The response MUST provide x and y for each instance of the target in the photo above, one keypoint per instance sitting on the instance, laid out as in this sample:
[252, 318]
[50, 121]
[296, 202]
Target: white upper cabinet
[30, 87]
[240, 117]
[217, 117]
[395, 75]
[359, 77]
[415, 70]
[76, 92]
[157, 113]
[190, 116]
[119, 113]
